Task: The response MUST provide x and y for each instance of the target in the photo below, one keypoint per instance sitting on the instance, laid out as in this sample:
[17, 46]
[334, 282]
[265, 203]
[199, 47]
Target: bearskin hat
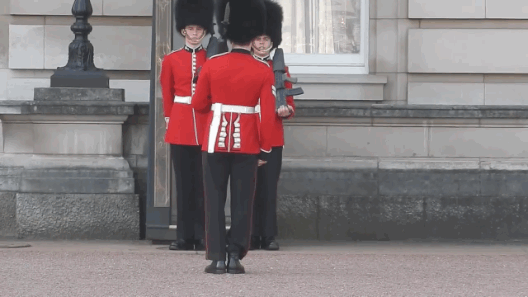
[274, 17]
[194, 12]
[247, 19]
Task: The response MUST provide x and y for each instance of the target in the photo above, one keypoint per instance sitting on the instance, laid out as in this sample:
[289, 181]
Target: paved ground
[109, 268]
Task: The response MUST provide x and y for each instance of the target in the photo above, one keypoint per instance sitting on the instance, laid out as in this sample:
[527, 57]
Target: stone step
[77, 185]
[66, 180]
[77, 173]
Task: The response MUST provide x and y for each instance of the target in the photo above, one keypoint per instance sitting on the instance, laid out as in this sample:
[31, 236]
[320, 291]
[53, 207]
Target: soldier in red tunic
[265, 208]
[184, 124]
[229, 87]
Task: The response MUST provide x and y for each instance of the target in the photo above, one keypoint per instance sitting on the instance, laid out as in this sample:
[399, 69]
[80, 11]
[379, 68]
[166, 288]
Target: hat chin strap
[262, 52]
[203, 35]
[201, 38]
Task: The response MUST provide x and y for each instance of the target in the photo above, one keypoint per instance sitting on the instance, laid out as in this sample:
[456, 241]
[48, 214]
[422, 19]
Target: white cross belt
[183, 99]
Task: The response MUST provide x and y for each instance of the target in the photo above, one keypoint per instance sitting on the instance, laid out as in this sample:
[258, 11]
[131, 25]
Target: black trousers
[242, 169]
[265, 208]
[187, 162]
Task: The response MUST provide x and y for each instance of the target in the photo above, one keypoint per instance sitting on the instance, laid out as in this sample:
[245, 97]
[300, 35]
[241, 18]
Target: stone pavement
[300, 268]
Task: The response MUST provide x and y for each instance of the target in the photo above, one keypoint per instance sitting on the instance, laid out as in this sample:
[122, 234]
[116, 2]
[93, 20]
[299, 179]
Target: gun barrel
[212, 47]
[278, 60]
[216, 46]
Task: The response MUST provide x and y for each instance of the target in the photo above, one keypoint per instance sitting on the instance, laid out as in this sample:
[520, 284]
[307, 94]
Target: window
[326, 36]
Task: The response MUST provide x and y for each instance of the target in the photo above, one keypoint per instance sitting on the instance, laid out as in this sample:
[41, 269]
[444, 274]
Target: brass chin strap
[184, 33]
[262, 52]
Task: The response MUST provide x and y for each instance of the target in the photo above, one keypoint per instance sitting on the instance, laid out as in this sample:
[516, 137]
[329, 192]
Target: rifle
[219, 45]
[216, 45]
[279, 69]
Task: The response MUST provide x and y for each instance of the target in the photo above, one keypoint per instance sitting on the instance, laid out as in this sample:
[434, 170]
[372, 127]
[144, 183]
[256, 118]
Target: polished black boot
[234, 266]
[181, 245]
[199, 245]
[216, 267]
[270, 244]
[254, 243]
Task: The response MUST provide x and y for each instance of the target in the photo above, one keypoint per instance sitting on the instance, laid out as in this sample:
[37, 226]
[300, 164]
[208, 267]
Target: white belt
[218, 109]
[183, 99]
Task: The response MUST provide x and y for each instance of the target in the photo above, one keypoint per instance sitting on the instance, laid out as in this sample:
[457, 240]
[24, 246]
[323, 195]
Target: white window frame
[335, 63]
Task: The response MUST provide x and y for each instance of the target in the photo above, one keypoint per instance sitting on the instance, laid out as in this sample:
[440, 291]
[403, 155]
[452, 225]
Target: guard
[265, 208]
[229, 88]
[184, 125]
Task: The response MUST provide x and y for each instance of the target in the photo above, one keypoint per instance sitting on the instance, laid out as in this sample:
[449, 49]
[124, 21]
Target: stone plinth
[63, 160]
[8, 225]
[64, 216]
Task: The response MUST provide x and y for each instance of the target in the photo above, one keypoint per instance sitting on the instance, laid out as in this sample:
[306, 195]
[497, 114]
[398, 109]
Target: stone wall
[467, 52]
[415, 56]
[396, 172]
[429, 168]
[449, 52]
[399, 172]
[387, 172]
[347, 200]
[34, 39]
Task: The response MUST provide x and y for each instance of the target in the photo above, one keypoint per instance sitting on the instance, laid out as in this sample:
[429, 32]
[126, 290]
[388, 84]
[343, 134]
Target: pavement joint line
[14, 245]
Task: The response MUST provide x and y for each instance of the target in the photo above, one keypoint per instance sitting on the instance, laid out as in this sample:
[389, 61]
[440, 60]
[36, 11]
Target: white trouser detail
[218, 109]
[182, 99]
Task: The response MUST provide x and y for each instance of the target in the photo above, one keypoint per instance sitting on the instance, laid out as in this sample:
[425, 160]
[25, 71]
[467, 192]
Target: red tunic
[177, 72]
[237, 79]
[278, 132]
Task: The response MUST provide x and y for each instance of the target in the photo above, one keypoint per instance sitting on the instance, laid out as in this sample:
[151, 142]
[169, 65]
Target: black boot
[181, 245]
[255, 243]
[234, 266]
[216, 267]
[269, 243]
[199, 245]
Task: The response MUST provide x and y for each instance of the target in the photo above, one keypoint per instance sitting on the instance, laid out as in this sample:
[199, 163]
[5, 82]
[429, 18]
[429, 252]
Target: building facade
[413, 122]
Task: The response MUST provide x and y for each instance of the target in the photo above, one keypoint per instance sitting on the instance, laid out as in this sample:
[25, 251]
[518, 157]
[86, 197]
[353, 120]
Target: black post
[80, 72]
[149, 203]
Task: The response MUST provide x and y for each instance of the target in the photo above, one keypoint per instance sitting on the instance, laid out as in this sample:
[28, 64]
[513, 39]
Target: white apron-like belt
[182, 99]
[218, 109]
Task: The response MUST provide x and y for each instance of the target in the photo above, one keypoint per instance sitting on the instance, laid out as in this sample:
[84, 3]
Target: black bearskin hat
[194, 12]
[274, 18]
[247, 19]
